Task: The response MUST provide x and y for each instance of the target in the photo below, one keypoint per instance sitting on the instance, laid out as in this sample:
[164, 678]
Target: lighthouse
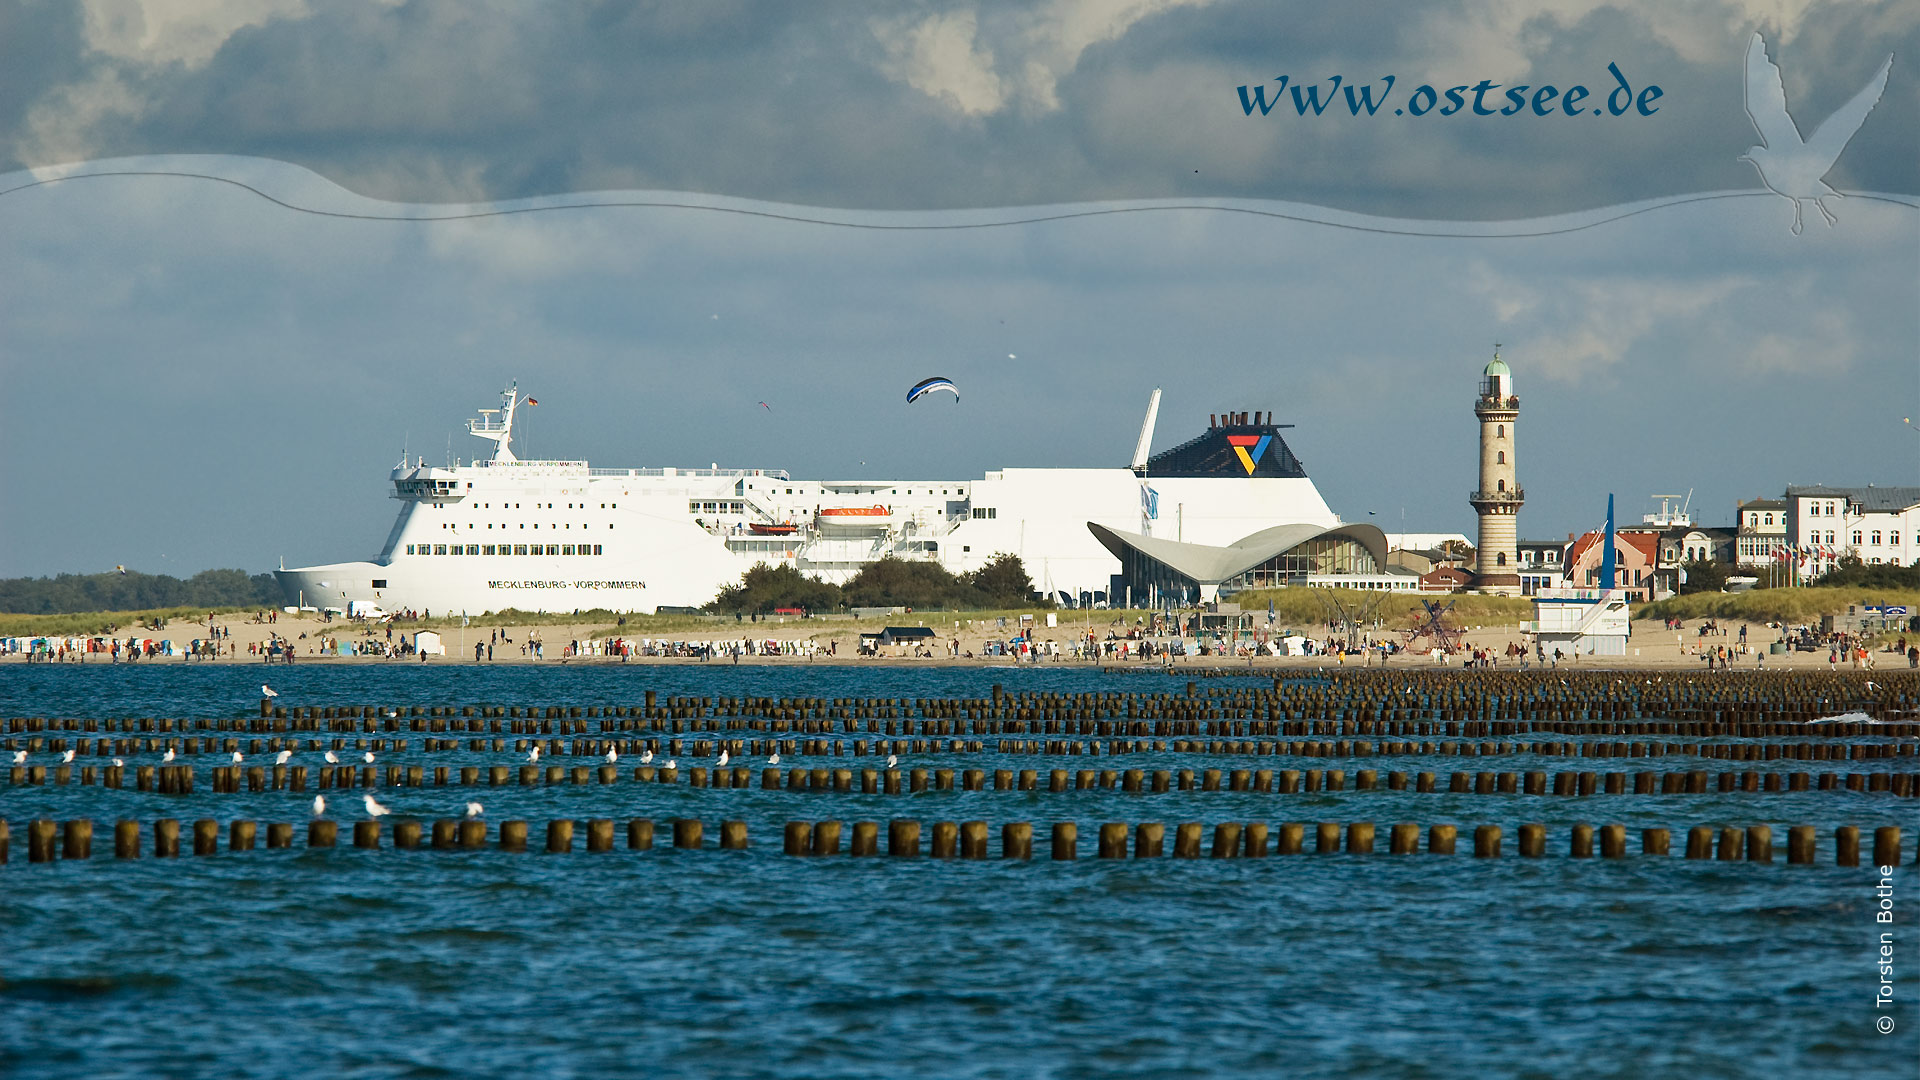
[1497, 499]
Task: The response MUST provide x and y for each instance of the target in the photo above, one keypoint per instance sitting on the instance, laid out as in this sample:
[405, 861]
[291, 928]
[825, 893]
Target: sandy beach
[836, 641]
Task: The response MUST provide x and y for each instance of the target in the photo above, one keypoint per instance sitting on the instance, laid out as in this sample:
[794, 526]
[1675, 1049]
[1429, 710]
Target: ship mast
[497, 424]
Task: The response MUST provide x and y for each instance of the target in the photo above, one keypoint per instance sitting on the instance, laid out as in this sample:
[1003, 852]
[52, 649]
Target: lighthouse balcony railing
[1495, 401]
[1514, 496]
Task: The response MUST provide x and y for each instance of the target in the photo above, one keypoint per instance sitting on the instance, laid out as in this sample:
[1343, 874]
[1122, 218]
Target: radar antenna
[497, 424]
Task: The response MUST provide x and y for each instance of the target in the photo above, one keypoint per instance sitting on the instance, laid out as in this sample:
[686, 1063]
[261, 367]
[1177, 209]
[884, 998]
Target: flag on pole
[533, 401]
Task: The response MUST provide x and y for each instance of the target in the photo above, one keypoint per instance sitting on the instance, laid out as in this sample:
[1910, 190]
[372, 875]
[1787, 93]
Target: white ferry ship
[560, 535]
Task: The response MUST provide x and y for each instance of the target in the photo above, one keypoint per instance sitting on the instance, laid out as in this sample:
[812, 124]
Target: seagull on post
[332, 758]
[166, 757]
[282, 757]
[473, 810]
[1789, 165]
[119, 764]
[66, 758]
[367, 757]
[613, 756]
[237, 758]
[268, 691]
[646, 757]
[374, 809]
[319, 805]
[722, 763]
[533, 756]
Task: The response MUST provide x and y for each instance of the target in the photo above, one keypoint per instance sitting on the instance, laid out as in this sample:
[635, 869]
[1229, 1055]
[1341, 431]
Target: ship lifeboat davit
[854, 518]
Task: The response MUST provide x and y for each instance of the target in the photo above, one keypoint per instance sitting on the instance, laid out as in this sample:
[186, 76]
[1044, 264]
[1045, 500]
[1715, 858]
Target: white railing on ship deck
[777, 474]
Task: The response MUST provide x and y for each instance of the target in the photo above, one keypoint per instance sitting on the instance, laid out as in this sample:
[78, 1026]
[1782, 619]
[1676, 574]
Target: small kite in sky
[766, 406]
[927, 386]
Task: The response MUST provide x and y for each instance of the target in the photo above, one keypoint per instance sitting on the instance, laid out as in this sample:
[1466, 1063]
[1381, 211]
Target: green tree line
[132, 591]
[890, 582]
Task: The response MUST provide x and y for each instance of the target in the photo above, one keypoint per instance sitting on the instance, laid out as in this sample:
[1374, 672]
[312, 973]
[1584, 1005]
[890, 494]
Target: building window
[519, 549]
[439, 549]
[1500, 458]
[409, 549]
[486, 549]
[1503, 485]
[596, 549]
[1876, 538]
[1500, 559]
[553, 549]
[379, 583]
[566, 549]
[985, 512]
[1856, 538]
[1769, 520]
[1500, 431]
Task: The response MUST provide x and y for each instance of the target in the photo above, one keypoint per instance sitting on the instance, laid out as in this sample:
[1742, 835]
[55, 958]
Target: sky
[199, 374]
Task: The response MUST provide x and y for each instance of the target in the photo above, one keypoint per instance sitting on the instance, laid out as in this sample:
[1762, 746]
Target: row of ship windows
[695, 506]
[550, 525]
[875, 491]
[547, 506]
[503, 549]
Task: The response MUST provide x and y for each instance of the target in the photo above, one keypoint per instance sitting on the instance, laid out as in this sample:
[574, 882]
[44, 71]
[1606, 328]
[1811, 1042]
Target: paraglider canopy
[928, 386]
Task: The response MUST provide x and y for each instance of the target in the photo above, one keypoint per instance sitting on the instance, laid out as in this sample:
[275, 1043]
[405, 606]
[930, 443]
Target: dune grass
[1793, 606]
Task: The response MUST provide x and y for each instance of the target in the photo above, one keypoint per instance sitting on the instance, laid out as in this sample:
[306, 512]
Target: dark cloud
[433, 100]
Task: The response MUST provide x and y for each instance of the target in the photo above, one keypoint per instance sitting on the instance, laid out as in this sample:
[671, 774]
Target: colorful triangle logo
[1249, 459]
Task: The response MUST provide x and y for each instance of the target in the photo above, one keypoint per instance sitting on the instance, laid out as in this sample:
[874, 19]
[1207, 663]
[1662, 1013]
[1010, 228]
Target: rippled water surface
[397, 963]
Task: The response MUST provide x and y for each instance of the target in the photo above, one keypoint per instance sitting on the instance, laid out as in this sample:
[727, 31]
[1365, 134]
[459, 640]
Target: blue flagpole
[1606, 557]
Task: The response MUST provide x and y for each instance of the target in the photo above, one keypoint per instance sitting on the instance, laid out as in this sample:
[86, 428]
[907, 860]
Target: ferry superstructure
[553, 535]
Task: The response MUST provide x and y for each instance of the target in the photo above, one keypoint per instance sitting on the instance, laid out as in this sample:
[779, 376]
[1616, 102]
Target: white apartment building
[1878, 524]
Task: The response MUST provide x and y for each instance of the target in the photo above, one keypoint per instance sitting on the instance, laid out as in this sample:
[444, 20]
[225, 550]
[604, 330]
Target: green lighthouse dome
[1498, 367]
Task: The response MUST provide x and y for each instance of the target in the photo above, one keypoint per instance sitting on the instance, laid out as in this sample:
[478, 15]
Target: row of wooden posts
[179, 779]
[73, 839]
[599, 747]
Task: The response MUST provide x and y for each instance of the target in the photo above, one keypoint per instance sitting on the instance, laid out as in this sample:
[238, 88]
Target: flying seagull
[20, 757]
[67, 757]
[892, 760]
[119, 763]
[1789, 165]
[773, 759]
